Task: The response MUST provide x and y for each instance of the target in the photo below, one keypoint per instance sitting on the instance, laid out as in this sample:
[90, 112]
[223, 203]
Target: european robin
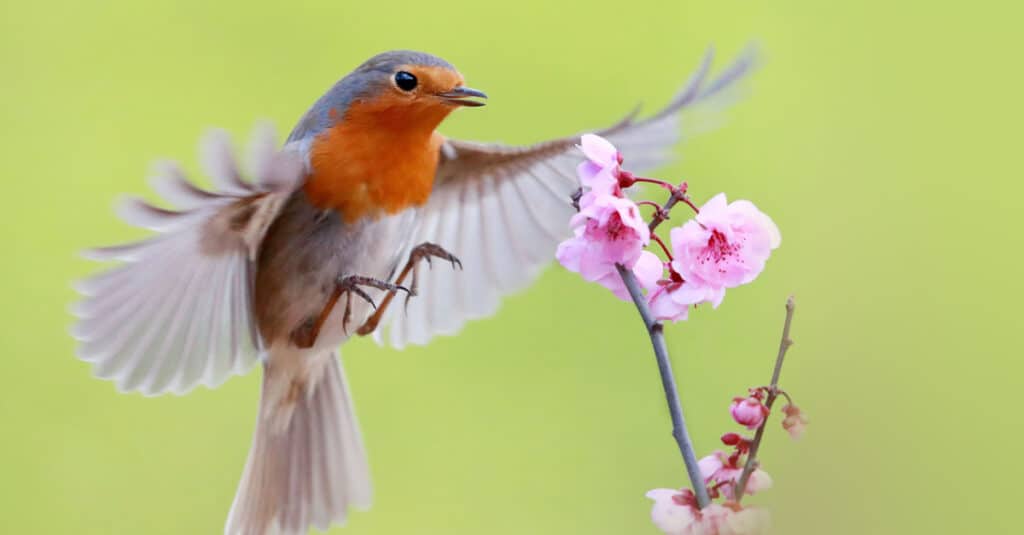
[282, 271]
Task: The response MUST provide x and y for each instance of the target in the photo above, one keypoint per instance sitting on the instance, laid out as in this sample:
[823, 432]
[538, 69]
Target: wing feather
[176, 312]
[502, 210]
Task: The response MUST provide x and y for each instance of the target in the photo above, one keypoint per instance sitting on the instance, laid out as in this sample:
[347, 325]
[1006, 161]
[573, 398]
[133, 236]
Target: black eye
[405, 81]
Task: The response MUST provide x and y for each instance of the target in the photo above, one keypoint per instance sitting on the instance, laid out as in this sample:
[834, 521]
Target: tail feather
[305, 468]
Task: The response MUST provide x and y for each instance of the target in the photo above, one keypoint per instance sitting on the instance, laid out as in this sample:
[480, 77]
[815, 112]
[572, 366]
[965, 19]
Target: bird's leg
[305, 335]
[423, 251]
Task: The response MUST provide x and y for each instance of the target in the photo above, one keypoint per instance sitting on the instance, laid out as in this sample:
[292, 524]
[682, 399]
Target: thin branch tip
[773, 392]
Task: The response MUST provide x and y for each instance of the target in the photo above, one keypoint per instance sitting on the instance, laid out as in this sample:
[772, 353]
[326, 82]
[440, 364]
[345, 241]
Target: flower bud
[731, 439]
[740, 442]
[795, 421]
[749, 412]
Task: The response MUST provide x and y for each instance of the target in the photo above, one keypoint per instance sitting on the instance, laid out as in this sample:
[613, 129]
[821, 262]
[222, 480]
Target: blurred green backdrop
[881, 136]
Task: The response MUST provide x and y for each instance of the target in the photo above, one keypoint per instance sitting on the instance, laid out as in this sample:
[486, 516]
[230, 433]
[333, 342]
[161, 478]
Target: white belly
[306, 252]
[383, 246]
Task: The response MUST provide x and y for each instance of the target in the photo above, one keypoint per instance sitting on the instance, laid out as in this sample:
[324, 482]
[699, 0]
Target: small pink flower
[674, 297]
[714, 519]
[723, 472]
[601, 170]
[759, 480]
[795, 421]
[748, 411]
[746, 521]
[675, 512]
[719, 467]
[608, 231]
[724, 246]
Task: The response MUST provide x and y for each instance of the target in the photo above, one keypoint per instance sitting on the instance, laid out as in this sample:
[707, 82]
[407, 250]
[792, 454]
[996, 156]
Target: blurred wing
[176, 312]
[503, 210]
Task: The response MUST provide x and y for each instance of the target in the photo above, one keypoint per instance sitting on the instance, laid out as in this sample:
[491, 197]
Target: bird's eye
[405, 81]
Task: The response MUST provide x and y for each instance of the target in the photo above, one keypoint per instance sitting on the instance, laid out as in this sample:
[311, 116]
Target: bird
[280, 271]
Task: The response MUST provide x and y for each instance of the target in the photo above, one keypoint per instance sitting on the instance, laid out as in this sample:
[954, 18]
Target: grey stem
[668, 382]
[773, 392]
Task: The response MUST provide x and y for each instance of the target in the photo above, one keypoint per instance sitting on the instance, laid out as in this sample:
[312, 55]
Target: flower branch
[724, 245]
[656, 332]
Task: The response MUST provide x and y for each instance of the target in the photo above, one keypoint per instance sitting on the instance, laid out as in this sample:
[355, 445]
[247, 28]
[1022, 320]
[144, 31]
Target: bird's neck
[375, 161]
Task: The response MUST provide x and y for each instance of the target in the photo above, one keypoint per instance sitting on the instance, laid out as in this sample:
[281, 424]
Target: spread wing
[176, 312]
[502, 210]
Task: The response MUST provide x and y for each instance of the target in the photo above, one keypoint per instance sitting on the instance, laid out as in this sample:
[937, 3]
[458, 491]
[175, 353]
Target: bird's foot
[305, 335]
[424, 251]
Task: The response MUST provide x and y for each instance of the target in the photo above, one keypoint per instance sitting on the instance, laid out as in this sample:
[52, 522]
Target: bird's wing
[176, 311]
[502, 210]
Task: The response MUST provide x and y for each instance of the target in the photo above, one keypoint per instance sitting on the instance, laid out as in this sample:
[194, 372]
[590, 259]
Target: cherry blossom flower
[719, 467]
[795, 421]
[601, 170]
[672, 300]
[714, 519]
[724, 246]
[675, 512]
[746, 521]
[609, 231]
[723, 471]
[749, 411]
[759, 480]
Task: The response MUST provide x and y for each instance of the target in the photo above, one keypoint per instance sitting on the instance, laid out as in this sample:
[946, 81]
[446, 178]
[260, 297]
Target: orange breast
[379, 159]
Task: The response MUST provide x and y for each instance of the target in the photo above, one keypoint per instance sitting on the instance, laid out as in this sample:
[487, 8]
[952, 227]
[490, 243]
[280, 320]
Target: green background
[882, 137]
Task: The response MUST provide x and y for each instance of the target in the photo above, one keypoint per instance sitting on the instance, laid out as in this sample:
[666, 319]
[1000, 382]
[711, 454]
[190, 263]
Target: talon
[424, 251]
[366, 297]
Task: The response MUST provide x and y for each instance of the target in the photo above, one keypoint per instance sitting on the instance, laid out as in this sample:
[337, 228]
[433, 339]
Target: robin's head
[398, 89]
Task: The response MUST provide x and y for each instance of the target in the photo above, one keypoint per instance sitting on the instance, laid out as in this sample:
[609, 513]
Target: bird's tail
[307, 465]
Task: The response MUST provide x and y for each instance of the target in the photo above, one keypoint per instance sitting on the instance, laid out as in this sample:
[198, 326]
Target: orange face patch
[381, 156]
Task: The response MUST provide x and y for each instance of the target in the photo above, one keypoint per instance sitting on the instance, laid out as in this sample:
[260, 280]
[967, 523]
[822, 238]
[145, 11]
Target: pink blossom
[714, 519]
[795, 421]
[609, 231]
[600, 171]
[675, 512]
[724, 246]
[759, 480]
[719, 467]
[746, 521]
[748, 411]
[674, 297]
[723, 471]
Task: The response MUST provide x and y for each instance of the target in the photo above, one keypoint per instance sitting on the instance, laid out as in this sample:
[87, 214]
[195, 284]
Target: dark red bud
[731, 439]
[626, 179]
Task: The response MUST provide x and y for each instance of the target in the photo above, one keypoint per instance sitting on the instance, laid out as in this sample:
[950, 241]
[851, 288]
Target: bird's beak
[460, 97]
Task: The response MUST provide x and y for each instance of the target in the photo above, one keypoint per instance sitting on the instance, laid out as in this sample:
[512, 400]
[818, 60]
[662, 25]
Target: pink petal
[648, 270]
[710, 465]
[665, 308]
[599, 150]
